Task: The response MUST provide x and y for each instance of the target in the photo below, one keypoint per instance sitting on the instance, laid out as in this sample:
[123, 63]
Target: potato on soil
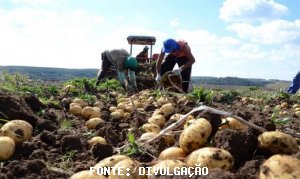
[151, 127]
[280, 166]
[81, 102]
[210, 157]
[111, 161]
[7, 148]
[85, 174]
[195, 135]
[99, 104]
[162, 100]
[112, 109]
[18, 130]
[87, 112]
[97, 140]
[167, 109]
[116, 115]
[278, 142]
[126, 163]
[148, 135]
[93, 122]
[172, 153]
[76, 110]
[232, 123]
[159, 120]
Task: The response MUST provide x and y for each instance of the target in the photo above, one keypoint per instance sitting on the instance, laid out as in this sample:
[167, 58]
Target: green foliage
[89, 134]
[279, 121]
[110, 84]
[202, 95]
[229, 96]
[67, 159]
[67, 123]
[133, 148]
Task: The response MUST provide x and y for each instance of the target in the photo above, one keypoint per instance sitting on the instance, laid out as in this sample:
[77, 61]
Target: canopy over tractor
[141, 40]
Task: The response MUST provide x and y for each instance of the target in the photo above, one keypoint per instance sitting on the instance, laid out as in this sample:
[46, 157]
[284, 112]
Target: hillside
[64, 74]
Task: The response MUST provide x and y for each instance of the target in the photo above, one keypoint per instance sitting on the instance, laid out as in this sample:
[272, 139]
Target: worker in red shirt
[178, 52]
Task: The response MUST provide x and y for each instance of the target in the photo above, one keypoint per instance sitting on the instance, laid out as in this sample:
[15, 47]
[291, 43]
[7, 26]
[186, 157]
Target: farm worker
[179, 53]
[123, 62]
[295, 84]
[143, 55]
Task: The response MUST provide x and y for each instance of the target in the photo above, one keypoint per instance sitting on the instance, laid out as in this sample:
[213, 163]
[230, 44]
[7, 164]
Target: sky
[238, 38]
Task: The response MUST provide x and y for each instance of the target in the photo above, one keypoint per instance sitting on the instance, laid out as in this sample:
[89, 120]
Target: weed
[133, 148]
[66, 123]
[279, 121]
[67, 159]
[89, 134]
[202, 95]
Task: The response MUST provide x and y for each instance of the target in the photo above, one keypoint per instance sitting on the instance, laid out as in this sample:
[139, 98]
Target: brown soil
[58, 152]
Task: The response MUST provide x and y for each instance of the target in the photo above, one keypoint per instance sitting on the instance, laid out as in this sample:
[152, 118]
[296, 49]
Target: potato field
[60, 130]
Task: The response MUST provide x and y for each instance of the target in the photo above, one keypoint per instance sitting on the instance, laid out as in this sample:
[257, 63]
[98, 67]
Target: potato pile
[80, 107]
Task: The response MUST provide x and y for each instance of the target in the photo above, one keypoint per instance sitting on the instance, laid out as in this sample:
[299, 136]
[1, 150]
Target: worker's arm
[190, 57]
[132, 79]
[122, 78]
[159, 61]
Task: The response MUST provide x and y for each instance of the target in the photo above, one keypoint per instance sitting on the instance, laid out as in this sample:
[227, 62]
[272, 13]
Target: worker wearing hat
[178, 52]
[122, 60]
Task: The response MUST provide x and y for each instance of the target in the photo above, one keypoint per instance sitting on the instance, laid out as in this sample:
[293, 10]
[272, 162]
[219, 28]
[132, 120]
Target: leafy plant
[66, 123]
[202, 95]
[67, 159]
[133, 148]
[110, 84]
[279, 121]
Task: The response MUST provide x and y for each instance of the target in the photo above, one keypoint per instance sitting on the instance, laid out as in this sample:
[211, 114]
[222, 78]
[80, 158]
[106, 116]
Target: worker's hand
[177, 71]
[158, 77]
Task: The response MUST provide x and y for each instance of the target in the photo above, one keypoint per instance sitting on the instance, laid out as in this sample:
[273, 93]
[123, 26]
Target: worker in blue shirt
[295, 84]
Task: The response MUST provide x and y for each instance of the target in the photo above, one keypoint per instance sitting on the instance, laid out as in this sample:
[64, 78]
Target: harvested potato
[284, 105]
[233, 123]
[74, 104]
[116, 115]
[147, 135]
[111, 161]
[177, 116]
[162, 100]
[296, 106]
[188, 123]
[97, 140]
[172, 153]
[7, 148]
[210, 157]
[156, 112]
[297, 113]
[112, 109]
[95, 113]
[280, 166]
[98, 104]
[127, 115]
[169, 139]
[169, 164]
[18, 130]
[86, 174]
[167, 109]
[121, 106]
[151, 127]
[128, 108]
[81, 102]
[76, 110]
[125, 164]
[93, 122]
[159, 120]
[278, 142]
[87, 111]
[195, 135]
